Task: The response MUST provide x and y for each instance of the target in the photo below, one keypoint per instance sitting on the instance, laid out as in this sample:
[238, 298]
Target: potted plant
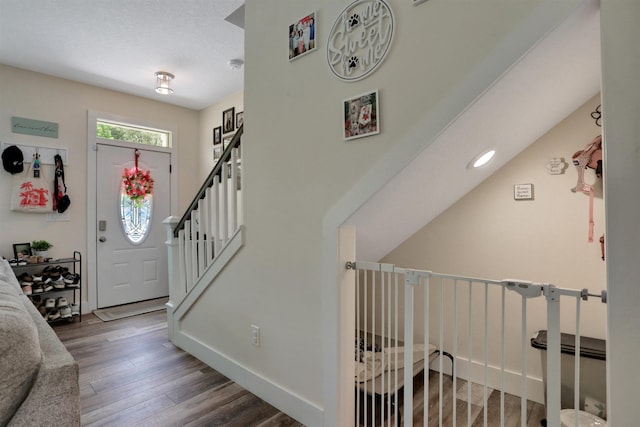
[40, 247]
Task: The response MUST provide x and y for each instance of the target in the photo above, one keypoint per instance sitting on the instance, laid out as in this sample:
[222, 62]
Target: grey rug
[133, 309]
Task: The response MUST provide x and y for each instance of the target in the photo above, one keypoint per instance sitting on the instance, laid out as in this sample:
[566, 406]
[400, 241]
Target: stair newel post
[177, 290]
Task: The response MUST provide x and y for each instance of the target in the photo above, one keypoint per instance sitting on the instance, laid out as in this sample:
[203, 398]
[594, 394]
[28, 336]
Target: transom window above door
[130, 133]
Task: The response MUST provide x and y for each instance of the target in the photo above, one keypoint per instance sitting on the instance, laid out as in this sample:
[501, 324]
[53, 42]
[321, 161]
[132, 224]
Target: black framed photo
[228, 122]
[21, 250]
[217, 153]
[226, 141]
[239, 119]
[217, 135]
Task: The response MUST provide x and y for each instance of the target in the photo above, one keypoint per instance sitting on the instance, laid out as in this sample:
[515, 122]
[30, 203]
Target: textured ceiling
[120, 44]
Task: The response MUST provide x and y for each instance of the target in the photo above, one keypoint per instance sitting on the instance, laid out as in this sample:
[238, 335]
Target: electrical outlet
[255, 336]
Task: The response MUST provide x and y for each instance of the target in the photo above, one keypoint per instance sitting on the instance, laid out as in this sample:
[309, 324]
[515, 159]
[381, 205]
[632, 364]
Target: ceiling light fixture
[163, 82]
[482, 159]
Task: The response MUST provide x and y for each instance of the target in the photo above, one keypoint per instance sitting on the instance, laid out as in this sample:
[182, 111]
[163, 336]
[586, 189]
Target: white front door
[130, 270]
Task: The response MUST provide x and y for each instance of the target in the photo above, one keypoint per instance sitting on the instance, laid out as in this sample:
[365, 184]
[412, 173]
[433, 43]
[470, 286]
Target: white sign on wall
[360, 39]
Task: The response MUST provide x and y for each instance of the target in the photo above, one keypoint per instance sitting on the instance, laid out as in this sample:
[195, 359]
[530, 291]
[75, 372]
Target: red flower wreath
[137, 183]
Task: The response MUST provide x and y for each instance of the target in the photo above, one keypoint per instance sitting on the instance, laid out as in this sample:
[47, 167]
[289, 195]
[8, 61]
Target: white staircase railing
[197, 241]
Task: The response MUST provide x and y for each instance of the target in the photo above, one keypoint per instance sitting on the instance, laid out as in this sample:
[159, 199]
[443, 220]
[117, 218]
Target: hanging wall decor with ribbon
[137, 182]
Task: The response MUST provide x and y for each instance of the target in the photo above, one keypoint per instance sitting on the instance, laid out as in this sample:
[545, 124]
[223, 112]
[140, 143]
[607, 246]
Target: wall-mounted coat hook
[45, 154]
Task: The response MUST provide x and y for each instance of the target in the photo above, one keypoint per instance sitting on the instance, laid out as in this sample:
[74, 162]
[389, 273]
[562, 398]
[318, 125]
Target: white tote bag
[30, 194]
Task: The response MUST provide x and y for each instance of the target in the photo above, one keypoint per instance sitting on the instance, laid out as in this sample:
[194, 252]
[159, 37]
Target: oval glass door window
[135, 217]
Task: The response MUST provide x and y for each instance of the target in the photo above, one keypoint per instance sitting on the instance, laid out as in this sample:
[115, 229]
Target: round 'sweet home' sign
[360, 39]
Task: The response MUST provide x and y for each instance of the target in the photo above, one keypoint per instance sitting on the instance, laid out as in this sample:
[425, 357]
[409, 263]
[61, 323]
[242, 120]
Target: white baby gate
[399, 310]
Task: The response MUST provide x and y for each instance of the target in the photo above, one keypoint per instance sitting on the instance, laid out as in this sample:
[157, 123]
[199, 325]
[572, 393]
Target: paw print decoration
[354, 20]
[353, 62]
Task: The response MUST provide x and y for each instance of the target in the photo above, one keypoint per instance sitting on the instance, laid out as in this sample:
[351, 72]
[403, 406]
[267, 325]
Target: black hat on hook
[12, 159]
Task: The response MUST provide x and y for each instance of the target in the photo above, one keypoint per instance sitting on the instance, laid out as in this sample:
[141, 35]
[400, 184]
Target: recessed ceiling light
[482, 159]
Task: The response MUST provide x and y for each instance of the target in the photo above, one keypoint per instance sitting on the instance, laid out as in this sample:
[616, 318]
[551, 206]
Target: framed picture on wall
[239, 119]
[360, 116]
[225, 142]
[217, 153]
[228, 117]
[302, 36]
[21, 250]
[217, 135]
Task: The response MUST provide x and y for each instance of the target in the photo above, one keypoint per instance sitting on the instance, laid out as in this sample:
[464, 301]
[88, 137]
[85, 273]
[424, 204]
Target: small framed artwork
[217, 153]
[523, 192]
[239, 119]
[302, 36]
[225, 142]
[21, 250]
[217, 135]
[228, 117]
[360, 116]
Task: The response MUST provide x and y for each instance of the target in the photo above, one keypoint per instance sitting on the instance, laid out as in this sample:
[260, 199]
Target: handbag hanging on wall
[30, 191]
[61, 200]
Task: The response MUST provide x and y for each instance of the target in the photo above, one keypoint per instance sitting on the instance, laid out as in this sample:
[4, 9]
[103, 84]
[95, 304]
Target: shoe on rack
[48, 270]
[27, 290]
[58, 284]
[25, 277]
[61, 270]
[62, 302]
[43, 310]
[37, 289]
[48, 287]
[37, 277]
[53, 314]
[75, 309]
[71, 278]
[50, 303]
[65, 312]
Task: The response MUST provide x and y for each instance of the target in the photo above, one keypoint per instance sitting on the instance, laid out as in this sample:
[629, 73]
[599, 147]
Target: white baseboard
[285, 400]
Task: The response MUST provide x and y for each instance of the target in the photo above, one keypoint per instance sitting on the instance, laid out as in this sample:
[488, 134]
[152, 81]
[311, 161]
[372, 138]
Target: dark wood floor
[130, 374]
[535, 412]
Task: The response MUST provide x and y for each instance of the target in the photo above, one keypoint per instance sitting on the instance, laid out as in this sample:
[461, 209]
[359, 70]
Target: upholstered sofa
[38, 376]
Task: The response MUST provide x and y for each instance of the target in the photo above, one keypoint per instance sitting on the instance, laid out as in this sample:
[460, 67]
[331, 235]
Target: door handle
[103, 239]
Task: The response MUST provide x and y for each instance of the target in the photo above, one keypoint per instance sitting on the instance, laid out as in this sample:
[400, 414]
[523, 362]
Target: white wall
[297, 167]
[37, 96]
[488, 234]
[621, 101]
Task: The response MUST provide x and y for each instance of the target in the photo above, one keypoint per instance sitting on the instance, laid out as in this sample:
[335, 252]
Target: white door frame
[92, 226]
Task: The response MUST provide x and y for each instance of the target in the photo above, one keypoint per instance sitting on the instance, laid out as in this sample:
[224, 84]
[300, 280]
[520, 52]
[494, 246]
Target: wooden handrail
[216, 171]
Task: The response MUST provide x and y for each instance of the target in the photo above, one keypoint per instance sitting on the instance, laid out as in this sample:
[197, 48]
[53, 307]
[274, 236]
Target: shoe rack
[66, 295]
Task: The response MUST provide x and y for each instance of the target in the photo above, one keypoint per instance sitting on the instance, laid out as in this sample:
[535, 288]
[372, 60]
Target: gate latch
[523, 287]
